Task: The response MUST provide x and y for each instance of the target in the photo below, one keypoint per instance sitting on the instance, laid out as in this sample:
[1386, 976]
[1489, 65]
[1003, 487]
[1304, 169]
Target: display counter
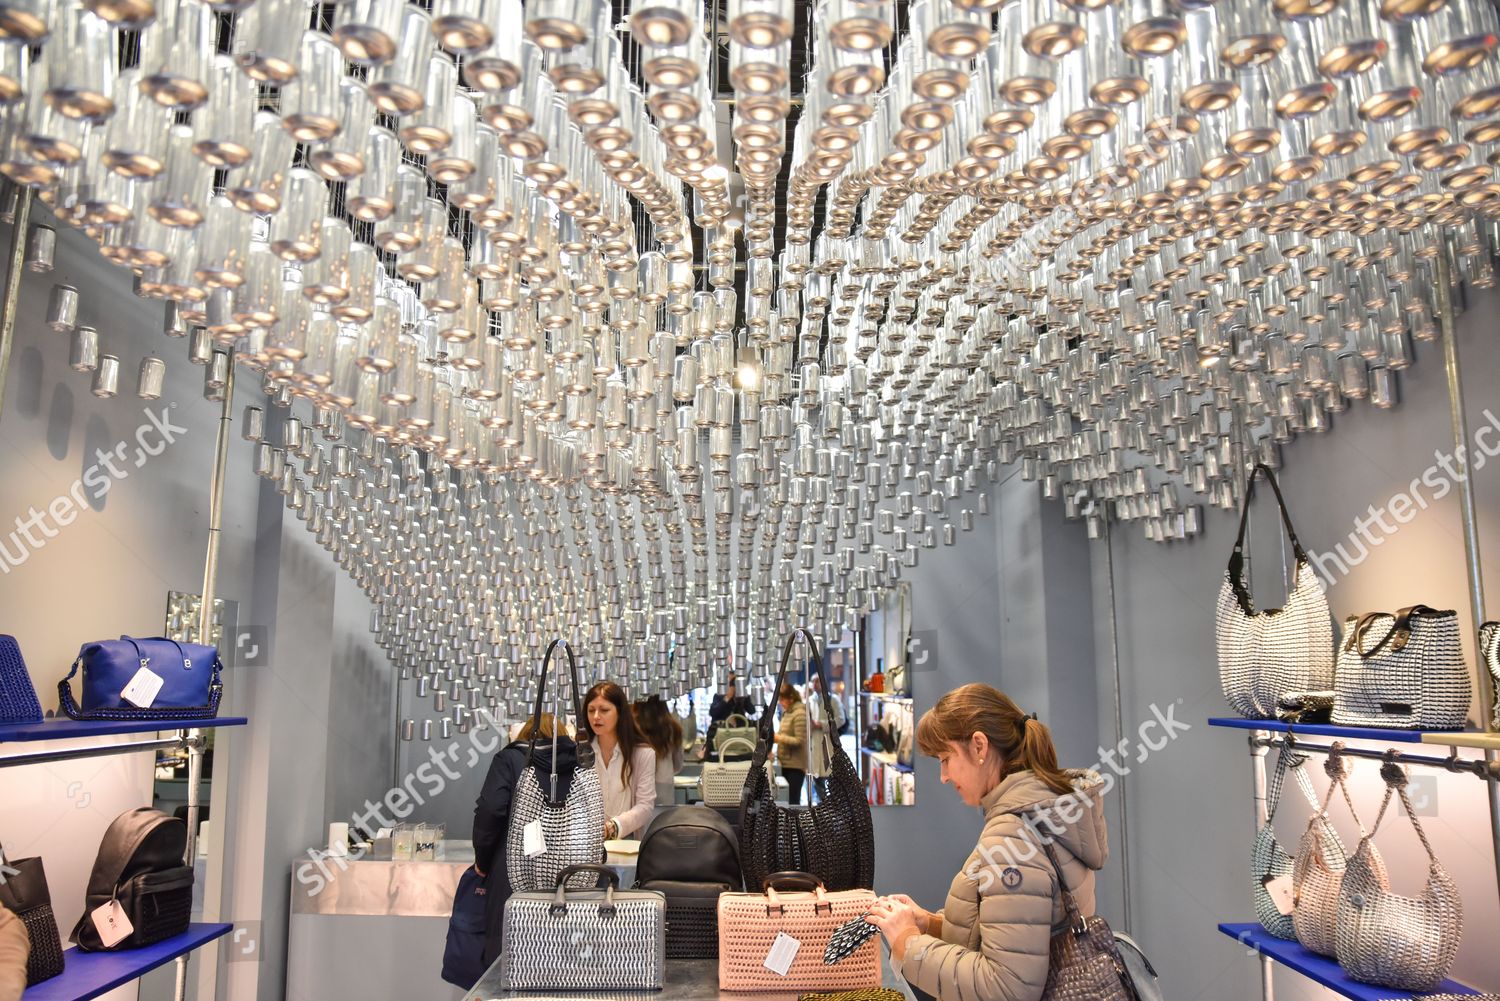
[686, 980]
[375, 927]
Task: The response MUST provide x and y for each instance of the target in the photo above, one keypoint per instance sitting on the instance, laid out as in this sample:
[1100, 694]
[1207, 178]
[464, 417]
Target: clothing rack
[1483, 768]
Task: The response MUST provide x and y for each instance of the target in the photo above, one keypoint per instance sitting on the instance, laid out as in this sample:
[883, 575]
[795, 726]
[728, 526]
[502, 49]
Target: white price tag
[141, 691]
[1280, 889]
[783, 951]
[111, 923]
[533, 844]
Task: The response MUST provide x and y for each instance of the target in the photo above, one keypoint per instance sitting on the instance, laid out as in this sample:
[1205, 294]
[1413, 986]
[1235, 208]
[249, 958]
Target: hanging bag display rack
[1478, 767]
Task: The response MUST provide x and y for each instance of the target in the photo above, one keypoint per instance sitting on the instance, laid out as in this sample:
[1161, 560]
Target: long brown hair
[1022, 741]
[546, 728]
[658, 725]
[626, 734]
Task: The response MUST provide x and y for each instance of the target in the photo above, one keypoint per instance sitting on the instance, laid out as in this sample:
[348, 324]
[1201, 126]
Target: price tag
[533, 844]
[783, 951]
[1280, 889]
[111, 923]
[141, 691]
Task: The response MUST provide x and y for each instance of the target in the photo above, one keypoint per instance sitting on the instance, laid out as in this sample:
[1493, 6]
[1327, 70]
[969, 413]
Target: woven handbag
[18, 701]
[1489, 652]
[1085, 962]
[867, 994]
[797, 904]
[835, 839]
[1264, 655]
[1318, 870]
[573, 827]
[1413, 677]
[584, 940]
[1269, 861]
[721, 782]
[1408, 943]
[735, 727]
[24, 891]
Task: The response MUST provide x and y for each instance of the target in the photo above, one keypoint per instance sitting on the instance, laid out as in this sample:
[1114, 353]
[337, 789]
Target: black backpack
[690, 854]
[140, 865]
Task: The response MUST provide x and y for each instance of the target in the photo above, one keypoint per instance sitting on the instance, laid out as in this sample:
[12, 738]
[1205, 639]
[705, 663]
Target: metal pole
[205, 632]
[1466, 507]
[13, 285]
[1114, 658]
[1258, 752]
[71, 754]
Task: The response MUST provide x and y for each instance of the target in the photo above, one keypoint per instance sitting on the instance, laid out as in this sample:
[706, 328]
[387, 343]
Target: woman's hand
[611, 830]
[897, 921]
[922, 915]
[479, 872]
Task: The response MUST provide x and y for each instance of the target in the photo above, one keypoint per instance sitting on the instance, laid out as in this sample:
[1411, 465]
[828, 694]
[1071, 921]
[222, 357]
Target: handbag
[1265, 655]
[834, 839]
[875, 685]
[866, 994]
[573, 827]
[731, 730]
[1318, 869]
[1489, 652]
[796, 904]
[191, 686]
[139, 865]
[1269, 861]
[18, 701]
[1412, 678]
[1408, 943]
[691, 855]
[721, 782]
[1085, 962]
[24, 891]
[584, 940]
[463, 951]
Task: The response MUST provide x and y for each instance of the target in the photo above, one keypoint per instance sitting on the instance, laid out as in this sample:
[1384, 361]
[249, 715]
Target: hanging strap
[1395, 785]
[1237, 557]
[585, 751]
[766, 722]
[1076, 920]
[1287, 757]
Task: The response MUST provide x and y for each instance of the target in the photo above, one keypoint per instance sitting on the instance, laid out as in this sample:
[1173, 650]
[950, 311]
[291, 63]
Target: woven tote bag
[1489, 653]
[18, 701]
[1265, 655]
[1408, 943]
[1318, 870]
[584, 940]
[798, 904]
[721, 782]
[1403, 671]
[736, 727]
[572, 828]
[24, 891]
[835, 839]
[1269, 861]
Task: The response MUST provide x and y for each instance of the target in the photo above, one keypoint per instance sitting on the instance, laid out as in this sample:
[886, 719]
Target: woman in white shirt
[625, 762]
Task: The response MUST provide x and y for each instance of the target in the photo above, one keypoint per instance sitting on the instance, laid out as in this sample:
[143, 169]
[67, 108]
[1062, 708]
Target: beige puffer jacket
[1004, 905]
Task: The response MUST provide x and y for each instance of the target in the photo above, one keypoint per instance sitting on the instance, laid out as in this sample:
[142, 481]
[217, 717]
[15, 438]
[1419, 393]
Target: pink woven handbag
[795, 903]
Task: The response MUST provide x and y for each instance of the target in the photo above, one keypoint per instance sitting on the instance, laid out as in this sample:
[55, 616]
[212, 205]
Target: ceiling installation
[666, 327]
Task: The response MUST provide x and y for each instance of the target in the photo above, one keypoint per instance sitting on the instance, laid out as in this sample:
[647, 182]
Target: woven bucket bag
[1489, 653]
[1269, 861]
[1265, 655]
[1412, 678]
[1318, 870]
[1408, 943]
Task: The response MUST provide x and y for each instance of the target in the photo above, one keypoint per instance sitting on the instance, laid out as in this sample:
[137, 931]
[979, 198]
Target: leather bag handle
[796, 881]
[585, 751]
[1237, 557]
[763, 745]
[1396, 639]
[560, 893]
[731, 742]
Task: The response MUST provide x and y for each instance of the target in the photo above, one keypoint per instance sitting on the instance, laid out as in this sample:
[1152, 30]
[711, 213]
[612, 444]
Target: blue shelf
[91, 974]
[62, 728]
[1322, 730]
[893, 763]
[1321, 969]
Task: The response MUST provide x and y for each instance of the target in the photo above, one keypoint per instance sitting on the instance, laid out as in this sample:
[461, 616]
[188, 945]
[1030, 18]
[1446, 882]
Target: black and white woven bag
[1269, 861]
[1265, 655]
[1403, 671]
[1489, 653]
[584, 940]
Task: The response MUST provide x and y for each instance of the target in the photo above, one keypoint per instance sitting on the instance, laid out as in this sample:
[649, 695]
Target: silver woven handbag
[1408, 943]
[1269, 862]
[1412, 678]
[1265, 655]
[584, 940]
[721, 782]
[572, 827]
[1318, 870]
[1489, 652]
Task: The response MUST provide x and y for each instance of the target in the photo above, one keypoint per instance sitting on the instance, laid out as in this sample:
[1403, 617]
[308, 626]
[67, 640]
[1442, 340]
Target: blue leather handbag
[18, 701]
[190, 676]
[463, 953]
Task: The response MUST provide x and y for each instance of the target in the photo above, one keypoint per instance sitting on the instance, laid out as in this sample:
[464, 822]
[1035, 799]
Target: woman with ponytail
[991, 941]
